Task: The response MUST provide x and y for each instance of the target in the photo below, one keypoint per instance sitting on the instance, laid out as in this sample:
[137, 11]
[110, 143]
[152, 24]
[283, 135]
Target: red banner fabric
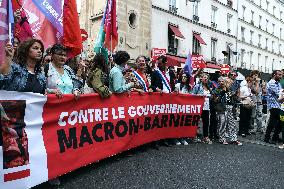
[77, 133]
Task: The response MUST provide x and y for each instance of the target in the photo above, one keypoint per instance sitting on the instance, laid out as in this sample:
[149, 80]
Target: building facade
[260, 35]
[246, 34]
[133, 21]
[207, 27]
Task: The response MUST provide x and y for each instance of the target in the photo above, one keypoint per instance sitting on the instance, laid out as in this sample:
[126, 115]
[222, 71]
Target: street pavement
[253, 165]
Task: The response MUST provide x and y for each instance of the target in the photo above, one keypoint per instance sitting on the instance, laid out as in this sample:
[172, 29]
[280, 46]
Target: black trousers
[273, 123]
[282, 130]
[245, 116]
[205, 121]
[213, 121]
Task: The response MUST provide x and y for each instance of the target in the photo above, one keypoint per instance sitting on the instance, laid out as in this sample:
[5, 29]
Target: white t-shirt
[206, 102]
[184, 89]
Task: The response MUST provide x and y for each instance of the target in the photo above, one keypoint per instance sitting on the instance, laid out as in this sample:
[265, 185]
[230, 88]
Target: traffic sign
[225, 69]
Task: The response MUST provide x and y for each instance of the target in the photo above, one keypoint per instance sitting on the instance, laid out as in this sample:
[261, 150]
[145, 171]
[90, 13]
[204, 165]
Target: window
[242, 57]
[132, 20]
[172, 3]
[260, 19]
[213, 14]
[272, 47]
[280, 35]
[251, 36]
[213, 48]
[265, 63]
[172, 6]
[244, 10]
[267, 5]
[250, 60]
[273, 28]
[229, 18]
[280, 47]
[266, 24]
[195, 8]
[243, 33]
[252, 16]
[258, 60]
[173, 42]
[281, 15]
[273, 60]
[273, 10]
[196, 49]
[259, 40]
[266, 43]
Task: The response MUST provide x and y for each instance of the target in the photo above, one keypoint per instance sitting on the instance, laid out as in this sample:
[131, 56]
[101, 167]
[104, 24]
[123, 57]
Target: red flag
[71, 28]
[22, 29]
[111, 38]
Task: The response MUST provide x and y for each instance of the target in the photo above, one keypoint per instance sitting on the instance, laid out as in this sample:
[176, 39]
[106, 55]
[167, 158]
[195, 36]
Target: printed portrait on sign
[13, 136]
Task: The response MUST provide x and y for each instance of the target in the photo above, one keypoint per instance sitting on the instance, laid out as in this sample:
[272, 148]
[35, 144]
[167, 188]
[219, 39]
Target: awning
[214, 66]
[199, 38]
[175, 60]
[176, 31]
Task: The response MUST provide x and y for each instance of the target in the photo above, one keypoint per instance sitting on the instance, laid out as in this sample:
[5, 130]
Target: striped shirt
[273, 89]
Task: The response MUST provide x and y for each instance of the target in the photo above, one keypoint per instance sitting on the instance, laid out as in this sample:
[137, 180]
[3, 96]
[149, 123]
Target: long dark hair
[99, 61]
[23, 53]
[187, 83]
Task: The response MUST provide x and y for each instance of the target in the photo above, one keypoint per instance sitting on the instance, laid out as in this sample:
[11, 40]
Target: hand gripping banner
[45, 137]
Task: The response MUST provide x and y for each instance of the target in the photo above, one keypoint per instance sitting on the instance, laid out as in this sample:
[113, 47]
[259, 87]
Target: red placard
[225, 68]
[156, 52]
[198, 61]
[84, 35]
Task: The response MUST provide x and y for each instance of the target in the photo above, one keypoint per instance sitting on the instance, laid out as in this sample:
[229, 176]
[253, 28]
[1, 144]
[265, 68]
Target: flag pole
[11, 21]
[10, 33]
[110, 51]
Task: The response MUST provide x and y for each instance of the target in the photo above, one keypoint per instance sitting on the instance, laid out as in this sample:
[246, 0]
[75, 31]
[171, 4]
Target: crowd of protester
[28, 68]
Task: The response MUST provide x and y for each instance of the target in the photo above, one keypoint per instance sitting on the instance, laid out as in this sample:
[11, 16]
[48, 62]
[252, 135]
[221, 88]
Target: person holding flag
[25, 75]
[188, 70]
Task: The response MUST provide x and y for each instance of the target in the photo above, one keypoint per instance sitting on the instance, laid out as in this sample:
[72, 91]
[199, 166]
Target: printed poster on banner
[23, 156]
[41, 142]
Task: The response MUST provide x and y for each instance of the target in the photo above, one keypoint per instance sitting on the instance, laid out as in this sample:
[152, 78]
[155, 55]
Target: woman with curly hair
[25, 75]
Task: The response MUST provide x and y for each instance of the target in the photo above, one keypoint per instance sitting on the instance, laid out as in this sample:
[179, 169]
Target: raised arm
[5, 67]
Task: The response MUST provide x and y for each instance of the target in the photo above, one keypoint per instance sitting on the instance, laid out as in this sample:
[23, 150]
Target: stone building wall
[133, 20]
